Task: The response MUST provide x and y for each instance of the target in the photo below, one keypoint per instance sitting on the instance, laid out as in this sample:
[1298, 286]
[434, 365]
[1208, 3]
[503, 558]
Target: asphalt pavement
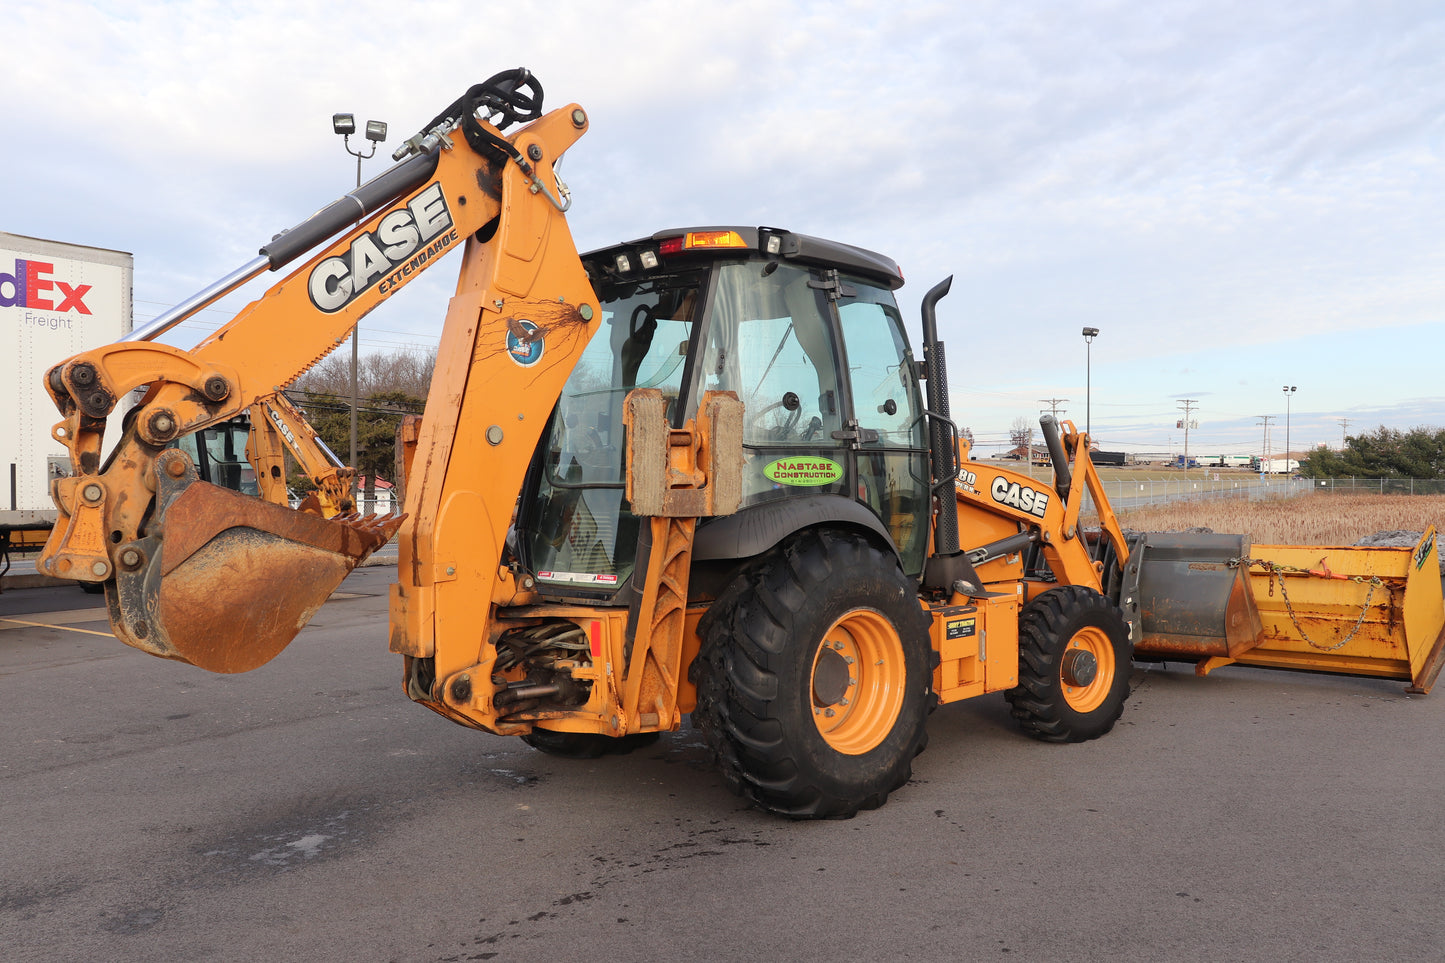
[309, 811]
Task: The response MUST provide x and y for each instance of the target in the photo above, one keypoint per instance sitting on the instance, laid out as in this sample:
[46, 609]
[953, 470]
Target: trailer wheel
[587, 745]
[815, 678]
[1074, 663]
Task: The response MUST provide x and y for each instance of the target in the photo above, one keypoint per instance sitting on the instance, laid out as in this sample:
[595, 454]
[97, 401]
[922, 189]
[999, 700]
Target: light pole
[1288, 393]
[1089, 335]
[345, 125]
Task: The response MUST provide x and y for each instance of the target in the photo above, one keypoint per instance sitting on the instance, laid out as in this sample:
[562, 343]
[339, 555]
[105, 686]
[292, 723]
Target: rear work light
[701, 241]
[623, 261]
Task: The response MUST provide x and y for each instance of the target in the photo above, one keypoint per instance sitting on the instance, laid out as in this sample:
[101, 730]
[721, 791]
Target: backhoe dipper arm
[241, 575]
[276, 428]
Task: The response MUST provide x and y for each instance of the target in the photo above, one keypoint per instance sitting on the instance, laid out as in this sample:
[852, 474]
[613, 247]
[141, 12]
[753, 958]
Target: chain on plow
[1277, 573]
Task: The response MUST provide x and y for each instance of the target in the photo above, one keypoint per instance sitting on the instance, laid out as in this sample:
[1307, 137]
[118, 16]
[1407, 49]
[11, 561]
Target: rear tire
[1074, 664]
[815, 678]
[587, 745]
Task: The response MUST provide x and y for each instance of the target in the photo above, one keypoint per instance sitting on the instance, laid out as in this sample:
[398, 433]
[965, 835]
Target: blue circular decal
[524, 343]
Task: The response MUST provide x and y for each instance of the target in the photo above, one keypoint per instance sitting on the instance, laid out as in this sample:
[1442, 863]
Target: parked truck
[56, 299]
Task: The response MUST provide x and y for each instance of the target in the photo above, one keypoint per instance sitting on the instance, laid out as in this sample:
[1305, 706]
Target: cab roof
[666, 248]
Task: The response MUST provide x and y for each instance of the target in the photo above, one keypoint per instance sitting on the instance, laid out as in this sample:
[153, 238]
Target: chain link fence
[1126, 493]
[1136, 493]
[1382, 486]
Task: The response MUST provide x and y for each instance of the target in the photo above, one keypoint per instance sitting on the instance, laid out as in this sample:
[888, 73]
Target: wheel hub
[830, 678]
[1079, 668]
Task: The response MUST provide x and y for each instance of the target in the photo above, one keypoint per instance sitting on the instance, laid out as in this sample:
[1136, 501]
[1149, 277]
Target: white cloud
[1218, 185]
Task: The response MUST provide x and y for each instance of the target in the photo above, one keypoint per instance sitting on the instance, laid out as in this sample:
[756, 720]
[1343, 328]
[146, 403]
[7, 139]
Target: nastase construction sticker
[803, 470]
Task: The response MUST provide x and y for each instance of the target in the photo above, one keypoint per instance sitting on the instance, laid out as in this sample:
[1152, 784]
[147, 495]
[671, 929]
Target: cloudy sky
[1240, 196]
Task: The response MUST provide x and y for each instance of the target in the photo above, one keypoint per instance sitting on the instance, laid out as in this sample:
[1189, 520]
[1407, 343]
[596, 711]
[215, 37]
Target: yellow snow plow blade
[226, 581]
[1343, 609]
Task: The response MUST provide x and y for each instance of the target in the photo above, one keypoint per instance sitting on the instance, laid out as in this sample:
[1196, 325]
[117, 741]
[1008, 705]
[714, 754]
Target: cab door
[771, 339]
[889, 447]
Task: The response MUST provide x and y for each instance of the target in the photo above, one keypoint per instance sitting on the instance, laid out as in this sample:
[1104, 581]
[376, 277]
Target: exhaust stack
[948, 568]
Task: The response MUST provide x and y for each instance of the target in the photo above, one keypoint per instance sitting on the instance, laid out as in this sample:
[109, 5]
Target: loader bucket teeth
[225, 581]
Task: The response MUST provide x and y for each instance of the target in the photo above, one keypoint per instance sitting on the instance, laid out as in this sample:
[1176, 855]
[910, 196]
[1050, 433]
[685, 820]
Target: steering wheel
[791, 404]
[649, 323]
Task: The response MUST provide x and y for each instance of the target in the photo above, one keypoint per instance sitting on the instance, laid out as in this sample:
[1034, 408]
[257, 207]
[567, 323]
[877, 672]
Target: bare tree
[1021, 435]
[388, 387]
[407, 371]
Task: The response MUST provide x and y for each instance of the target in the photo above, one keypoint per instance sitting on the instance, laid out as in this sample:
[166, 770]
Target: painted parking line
[55, 620]
[64, 620]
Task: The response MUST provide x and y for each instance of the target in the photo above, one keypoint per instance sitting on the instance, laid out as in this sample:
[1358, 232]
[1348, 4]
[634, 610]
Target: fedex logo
[30, 287]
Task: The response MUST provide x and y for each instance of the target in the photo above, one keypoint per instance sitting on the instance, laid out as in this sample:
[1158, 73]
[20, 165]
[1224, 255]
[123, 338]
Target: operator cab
[808, 335]
[219, 454]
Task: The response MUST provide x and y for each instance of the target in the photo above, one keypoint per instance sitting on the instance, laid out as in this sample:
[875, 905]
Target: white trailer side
[56, 300]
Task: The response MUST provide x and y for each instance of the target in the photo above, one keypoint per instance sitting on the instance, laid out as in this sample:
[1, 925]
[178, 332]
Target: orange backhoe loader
[248, 454]
[695, 473]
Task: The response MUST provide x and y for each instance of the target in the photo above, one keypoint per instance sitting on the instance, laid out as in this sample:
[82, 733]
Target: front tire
[1074, 663]
[815, 678]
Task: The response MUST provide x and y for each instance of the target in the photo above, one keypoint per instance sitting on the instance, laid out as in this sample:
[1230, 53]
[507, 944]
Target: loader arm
[1083, 475]
[1005, 511]
[224, 581]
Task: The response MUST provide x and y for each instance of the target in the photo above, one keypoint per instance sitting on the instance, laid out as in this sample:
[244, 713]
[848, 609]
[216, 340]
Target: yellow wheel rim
[857, 681]
[1086, 671]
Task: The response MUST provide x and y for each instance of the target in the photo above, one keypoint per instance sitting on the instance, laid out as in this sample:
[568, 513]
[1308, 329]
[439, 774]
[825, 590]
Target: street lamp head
[376, 130]
[343, 123]
[1091, 332]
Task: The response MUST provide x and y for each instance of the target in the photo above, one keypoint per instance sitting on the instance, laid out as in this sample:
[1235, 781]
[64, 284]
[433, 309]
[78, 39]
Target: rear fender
[754, 529]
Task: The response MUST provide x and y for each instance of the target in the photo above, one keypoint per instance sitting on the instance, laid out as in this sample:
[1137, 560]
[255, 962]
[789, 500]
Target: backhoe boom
[519, 318]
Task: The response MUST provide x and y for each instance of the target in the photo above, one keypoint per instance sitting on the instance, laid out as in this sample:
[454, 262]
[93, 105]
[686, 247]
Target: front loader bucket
[224, 581]
[1187, 598]
[1214, 600]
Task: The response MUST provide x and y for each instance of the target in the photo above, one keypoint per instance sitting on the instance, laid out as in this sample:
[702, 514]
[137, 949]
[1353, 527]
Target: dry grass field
[1304, 520]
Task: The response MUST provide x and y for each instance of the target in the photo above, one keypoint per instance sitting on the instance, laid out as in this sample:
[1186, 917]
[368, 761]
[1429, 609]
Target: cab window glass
[770, 343]
[584, 532]
[892, 468]
[884, 391]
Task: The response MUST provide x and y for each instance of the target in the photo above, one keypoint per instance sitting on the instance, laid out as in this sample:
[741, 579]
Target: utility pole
[1053, 404]
[1187, 406]
[1265, 420]
[1344, 433]
[1054, 410]
[1289, 391]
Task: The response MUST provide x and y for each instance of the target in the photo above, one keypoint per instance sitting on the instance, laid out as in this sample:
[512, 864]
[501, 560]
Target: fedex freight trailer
[56, 300]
